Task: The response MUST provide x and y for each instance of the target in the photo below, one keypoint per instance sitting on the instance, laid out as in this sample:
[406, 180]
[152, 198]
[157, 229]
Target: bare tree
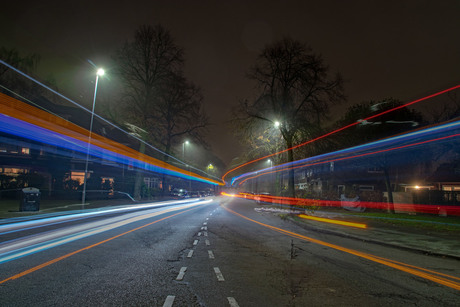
[10, 80]
[294, 89]
[156, 95]
[178, 114]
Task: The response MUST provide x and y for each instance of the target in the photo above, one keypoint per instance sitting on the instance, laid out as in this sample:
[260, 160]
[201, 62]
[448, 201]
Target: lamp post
[270, 161]
[100, 72]
[183, 158]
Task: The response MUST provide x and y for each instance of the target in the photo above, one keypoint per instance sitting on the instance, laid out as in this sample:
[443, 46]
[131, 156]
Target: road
[218, 252]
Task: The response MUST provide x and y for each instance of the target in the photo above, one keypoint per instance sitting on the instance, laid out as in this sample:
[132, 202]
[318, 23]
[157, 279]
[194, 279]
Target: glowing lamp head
[100, 72]
[186, 142]
[277, 124]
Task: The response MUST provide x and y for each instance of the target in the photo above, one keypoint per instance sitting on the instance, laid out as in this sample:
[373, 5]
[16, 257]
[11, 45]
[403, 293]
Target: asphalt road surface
[218, 252]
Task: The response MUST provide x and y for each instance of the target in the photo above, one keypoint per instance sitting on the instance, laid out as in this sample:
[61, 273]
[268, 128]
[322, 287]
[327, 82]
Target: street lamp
[277, 124]
[100, 72]
[183, 149]
[271, 162]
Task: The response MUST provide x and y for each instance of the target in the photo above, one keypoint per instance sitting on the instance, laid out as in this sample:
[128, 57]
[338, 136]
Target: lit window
[25, 151]
[78, 176]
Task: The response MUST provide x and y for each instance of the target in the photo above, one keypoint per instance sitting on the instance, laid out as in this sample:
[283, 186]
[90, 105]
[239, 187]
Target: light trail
[21, 119]
[44, 221]
[43, 265]
[440, 278]
[343, 128]
[305, 202]
[18, 248]
[331, 221]
[356, 156]
[421, 133]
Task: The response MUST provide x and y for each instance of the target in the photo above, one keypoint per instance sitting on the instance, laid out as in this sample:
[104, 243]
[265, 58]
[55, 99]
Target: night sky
[401, 49]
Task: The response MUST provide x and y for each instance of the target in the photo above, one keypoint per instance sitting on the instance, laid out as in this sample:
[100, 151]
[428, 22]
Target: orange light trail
[343, 128]
[440, 278]
[32, 115]
[38, 267]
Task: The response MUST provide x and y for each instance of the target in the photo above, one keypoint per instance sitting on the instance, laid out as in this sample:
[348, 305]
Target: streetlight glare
[277, 124]
[100, 72]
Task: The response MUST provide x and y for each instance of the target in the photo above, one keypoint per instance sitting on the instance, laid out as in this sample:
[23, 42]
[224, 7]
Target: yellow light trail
[38, 267]
[321, 219]
[440, 278]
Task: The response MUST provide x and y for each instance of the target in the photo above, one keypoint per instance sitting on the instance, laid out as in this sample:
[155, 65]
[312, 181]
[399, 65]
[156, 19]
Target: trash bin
[30, 199]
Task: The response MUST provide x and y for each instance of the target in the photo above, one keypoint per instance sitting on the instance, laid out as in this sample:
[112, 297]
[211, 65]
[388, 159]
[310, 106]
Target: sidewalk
[429, 241]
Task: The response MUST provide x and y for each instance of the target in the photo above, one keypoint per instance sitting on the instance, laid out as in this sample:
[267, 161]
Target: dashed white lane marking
[232, 302]
[205, 228]
[195, 242]
[181, 273]
[205, 233]
[207, 242]
[190, 254]
[219, 275]
[202, 228]
[207, 219]
[169, 301]
[210, 214]
[211, 255]
[205, 223]
[199, 234]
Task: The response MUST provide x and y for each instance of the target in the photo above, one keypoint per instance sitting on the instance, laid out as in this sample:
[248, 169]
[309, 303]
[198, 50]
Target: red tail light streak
[302, 203]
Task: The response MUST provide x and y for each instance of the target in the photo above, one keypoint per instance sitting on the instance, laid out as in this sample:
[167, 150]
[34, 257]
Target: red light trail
[356, 156]
[343, 128]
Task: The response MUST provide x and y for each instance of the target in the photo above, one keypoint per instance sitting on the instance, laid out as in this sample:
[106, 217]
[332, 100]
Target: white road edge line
[199, 234]
[219, 275]
[169, 301]
[232, 302]
[205, 233]
[190, 254]
[181, 273]
[207, 242]
[195, 242]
